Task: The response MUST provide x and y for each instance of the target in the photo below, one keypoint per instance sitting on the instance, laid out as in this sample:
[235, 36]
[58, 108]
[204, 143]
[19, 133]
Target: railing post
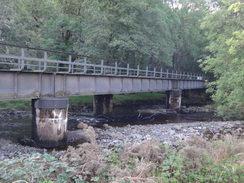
[102, 68]
[57, 67]
[161, 73]
[70, 59]
[39, 65]
[146, 71]
[116, 68]
[154, 72]
[138, 71]
[167, 75]
[22, 59]
[45, 63]
[128, 70]
[85, 66]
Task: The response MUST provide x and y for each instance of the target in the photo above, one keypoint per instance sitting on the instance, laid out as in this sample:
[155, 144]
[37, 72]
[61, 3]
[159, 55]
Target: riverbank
[193, 153]
[171, 133]
[147, 124]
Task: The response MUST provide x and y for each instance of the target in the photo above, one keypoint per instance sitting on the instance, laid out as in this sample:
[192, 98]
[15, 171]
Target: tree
[187, 36]
[22, 20]
[48, 24]
[134, 31]
[224, 28]
[153, 33]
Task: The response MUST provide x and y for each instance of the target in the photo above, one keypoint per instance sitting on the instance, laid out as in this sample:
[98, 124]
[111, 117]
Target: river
[14, 124]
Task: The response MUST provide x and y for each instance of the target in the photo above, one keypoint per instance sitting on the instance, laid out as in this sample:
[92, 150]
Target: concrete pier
[173, 100]
[49, 121]
[103, 104]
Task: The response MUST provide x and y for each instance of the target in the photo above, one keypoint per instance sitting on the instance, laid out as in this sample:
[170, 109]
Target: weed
[197, 161]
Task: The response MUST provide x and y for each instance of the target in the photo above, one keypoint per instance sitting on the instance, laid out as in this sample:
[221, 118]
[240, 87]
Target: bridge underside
[22, 85]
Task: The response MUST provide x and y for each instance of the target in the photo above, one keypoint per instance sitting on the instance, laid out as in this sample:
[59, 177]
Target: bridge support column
[103, 104]
[49, 121]
[173, 100]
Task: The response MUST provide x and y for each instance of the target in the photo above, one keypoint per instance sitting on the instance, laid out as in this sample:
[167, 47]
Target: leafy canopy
[224, 29]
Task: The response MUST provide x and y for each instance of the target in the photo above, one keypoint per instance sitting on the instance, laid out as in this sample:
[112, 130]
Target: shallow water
[15, 125]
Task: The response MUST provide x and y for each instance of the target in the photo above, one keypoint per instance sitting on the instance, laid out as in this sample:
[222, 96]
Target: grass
[197, 160]
[77, 101]
[23, 105]
[138, 97]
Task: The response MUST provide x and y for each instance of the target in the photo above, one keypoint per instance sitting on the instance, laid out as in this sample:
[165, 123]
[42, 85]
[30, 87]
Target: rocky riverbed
[170, 133]
[107, 135]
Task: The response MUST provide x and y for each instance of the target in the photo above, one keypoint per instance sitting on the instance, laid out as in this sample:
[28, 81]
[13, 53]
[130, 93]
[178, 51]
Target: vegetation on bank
[226, 57]
[22, 105]
[195, 160]
[78, 101]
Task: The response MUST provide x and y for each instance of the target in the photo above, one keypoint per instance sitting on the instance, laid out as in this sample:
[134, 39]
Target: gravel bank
[171, 133]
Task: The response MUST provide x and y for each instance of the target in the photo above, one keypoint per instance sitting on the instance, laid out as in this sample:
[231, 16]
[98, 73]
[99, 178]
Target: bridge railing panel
[27, 59]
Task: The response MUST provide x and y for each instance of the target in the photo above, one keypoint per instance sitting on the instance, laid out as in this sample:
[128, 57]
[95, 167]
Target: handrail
[52, 51]
[22, 62]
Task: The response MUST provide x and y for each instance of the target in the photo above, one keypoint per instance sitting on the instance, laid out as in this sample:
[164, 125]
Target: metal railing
[18, 58]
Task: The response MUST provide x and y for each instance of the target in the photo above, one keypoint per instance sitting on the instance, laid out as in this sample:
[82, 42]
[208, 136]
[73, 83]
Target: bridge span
[48, 76]
[32, 73]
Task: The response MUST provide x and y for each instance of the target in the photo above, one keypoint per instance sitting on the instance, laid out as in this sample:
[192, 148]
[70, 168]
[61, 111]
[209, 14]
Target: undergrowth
[195, 160]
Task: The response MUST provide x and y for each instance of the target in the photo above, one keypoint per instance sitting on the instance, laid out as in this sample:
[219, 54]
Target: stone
[76, 137]
[176, 128]
[106, 126]
[82, 125]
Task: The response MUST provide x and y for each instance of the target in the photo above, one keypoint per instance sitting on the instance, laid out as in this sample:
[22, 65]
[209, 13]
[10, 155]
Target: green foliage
[134, 31]
[138, 32]
[155, 33]
[112, 156]
[37, 168]
[176, 167]
[174, 170]
[21, 21]
[189, 41]
[224, 29]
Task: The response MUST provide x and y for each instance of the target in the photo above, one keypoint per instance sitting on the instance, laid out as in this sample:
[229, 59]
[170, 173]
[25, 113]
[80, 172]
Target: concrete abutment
[173, 99]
